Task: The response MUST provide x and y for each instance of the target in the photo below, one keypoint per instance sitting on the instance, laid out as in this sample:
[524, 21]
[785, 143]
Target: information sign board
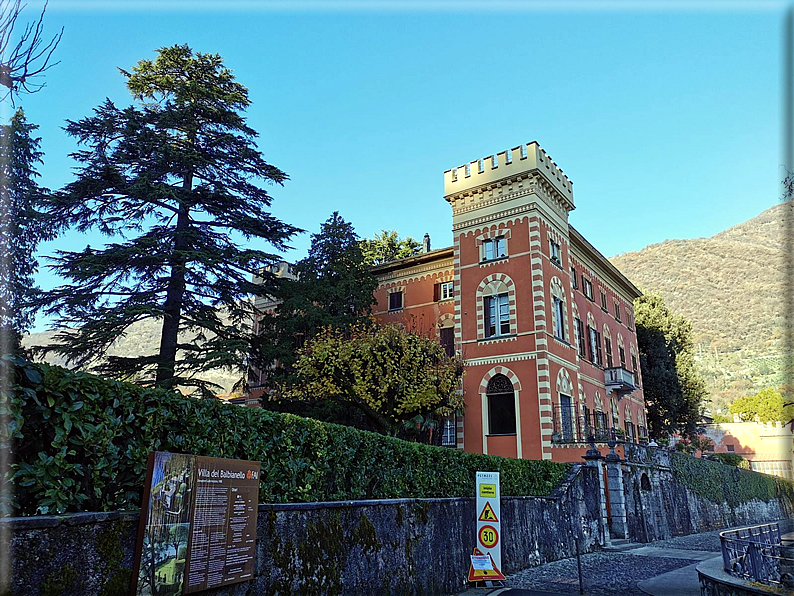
[198, 528]
[488, 516]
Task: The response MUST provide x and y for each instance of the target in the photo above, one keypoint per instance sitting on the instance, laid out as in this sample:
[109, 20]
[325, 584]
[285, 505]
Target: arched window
[608, 346]
[446, 333]
[600, 416]
[496, 307]
[501, 406]
[559, 316]
[629, 423]
[615, 414]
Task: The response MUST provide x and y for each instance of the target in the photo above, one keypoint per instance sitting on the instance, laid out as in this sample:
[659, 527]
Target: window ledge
[494, 338]
[556, 263]
[501, 435]
[496, 260]
[395, 310]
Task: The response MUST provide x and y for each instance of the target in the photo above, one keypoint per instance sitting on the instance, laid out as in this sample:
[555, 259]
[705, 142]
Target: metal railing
[758, 554]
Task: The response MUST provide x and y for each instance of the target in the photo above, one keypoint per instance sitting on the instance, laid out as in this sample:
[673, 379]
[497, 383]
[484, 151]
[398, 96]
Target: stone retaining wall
[405, 546]
[658, 507]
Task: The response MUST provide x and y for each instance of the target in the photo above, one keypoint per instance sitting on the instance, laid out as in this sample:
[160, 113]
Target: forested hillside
[729, 287]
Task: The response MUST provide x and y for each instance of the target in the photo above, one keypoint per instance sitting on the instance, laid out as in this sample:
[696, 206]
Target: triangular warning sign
[479, 575]
[487, 514]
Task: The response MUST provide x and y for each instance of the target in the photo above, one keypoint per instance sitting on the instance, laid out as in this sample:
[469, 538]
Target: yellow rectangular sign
[487, 490]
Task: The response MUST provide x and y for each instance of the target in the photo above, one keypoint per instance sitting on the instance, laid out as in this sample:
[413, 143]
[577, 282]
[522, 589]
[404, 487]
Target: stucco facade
[542, 320]
[768, 446]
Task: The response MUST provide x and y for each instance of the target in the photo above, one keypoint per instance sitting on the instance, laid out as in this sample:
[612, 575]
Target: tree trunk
[172, 309]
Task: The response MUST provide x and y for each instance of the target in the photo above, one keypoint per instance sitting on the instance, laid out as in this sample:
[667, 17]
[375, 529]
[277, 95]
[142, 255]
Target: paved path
[662, 568]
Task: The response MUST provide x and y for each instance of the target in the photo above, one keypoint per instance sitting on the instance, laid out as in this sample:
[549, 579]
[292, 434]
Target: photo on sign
[162, 565]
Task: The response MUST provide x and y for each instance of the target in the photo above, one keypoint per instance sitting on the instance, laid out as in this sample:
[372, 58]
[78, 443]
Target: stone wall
[405, 546]
[658, 507]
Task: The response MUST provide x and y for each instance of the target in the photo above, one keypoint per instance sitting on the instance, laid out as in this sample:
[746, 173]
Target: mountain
[729, 287]
[142, 337]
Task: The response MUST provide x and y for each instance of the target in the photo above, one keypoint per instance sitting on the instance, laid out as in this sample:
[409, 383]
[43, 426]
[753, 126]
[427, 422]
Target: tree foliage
[390, 374]
[766, 406]
[333, 288]
[387, 246]
[674, 392]
[22, 227]
[177, 180]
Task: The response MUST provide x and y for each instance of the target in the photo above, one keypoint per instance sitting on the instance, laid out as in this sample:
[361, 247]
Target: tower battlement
[524, 158]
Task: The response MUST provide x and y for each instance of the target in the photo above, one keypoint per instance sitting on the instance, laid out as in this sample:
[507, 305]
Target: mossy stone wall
[398, 547]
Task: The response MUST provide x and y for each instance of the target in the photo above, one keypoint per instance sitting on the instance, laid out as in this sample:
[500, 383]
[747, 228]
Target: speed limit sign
[489, 516]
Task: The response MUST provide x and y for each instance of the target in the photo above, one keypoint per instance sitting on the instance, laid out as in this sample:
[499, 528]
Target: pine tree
[177, 179]
[387, 246]
[674, 391]
[21, 229]
[334, 288]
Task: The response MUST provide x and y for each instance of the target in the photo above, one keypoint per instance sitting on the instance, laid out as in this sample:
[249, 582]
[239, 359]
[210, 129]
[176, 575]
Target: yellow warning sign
[478, 575]
[487, 514]
[487, 490]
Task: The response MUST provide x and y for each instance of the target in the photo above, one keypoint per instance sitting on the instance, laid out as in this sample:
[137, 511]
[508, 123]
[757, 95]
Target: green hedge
[721, 483]
[80, 443]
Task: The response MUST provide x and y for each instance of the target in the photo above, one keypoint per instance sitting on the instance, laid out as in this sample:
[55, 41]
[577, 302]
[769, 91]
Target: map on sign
[198, 528]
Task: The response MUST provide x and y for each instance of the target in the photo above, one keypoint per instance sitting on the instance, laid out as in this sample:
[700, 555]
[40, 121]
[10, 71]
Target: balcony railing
[570, 428]
[619, 380]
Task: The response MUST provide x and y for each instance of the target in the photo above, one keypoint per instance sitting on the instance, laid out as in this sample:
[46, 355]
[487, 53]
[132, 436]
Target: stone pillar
[593, 460]
[617, 498]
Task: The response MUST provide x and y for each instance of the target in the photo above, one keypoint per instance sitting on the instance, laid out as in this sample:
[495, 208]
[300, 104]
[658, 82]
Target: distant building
[543, 321]
[769, 447]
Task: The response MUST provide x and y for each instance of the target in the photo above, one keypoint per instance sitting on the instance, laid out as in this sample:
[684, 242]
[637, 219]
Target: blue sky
[667, 119]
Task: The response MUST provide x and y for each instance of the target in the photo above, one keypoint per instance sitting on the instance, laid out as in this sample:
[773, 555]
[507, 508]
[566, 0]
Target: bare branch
[30, 57]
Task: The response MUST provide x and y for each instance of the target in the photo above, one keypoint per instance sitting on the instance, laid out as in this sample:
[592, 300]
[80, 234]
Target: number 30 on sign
[489, 537]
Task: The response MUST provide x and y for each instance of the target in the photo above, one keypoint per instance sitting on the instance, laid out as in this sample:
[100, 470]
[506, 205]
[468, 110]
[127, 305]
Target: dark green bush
[733, 459]
[720, 483]
[80, 443]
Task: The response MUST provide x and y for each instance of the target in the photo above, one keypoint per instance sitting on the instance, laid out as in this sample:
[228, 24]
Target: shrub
[733, 459]
[80, 443]
[720, 483]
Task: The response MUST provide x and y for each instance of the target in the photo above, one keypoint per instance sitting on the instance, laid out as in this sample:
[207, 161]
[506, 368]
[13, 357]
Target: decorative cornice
[537, 185]
[500, 359]
[415, 273]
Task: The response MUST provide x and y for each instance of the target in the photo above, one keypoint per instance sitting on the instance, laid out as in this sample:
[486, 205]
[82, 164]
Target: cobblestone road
[604, 574]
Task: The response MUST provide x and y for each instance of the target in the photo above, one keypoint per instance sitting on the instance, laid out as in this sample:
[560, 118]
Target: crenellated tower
[513, 296]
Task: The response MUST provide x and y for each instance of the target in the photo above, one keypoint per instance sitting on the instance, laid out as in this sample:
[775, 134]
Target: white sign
[489, 517]
[481, 562]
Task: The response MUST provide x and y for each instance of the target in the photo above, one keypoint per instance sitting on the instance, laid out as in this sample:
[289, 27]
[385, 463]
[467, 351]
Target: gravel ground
[604, 574]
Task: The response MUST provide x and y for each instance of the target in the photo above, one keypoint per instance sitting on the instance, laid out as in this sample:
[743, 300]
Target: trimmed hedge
[80, 443]
[723, 483]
